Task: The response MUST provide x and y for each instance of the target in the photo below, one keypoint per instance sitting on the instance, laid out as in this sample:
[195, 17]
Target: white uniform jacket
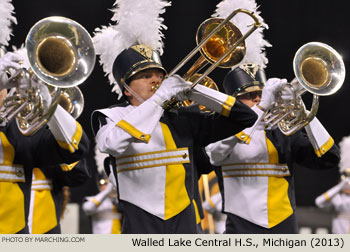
[154, 150]
[47, 197]
[256, 169]
[341, 222]
[20, 154]
[105, 219]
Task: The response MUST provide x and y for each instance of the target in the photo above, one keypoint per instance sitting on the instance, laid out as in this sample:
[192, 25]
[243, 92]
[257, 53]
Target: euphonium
[320, 70]
[220, 43]
[72, 100]
[61, 54]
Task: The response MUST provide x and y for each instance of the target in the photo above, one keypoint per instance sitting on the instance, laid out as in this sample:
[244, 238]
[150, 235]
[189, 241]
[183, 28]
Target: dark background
[291, 24]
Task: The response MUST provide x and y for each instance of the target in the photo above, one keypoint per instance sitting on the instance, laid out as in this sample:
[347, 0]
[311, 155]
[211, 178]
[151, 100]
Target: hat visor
[250, 89]
[144, 66]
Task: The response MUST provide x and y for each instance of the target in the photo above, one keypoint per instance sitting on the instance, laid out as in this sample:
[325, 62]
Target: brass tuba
[61, 54]
[220, 43]
[320, 70]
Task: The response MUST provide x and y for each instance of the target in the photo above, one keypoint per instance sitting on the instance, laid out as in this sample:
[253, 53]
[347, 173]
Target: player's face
[144, 83]
[250, 99]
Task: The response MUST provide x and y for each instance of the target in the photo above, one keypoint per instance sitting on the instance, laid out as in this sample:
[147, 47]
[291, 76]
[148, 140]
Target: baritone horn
[320, 70]
[220, 43]
[72, 100]
[61, 54]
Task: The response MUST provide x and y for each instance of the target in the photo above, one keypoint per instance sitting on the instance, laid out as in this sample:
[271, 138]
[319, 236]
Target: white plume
[22, 52]
[344, 154]
[99, 159]
[105, 46]
[134, 22]
[6, 20]
[255, 43]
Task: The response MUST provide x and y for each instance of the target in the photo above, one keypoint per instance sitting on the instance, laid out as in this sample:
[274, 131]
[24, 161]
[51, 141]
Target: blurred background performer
[155, 175]
[338, 197]
[255, 167]
[103, 208]
[214, 220]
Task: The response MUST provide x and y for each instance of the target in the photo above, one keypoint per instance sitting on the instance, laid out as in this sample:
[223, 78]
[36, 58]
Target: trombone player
[156, 187]
[154, 144]
[255, 167]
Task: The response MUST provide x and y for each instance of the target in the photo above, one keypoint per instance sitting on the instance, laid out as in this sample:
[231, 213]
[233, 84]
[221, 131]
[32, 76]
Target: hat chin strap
[133, 93]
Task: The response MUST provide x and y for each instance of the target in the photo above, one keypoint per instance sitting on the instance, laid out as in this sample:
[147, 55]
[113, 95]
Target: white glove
[9, 62]
[346, 185]
[207, 207]
[109, 188]
[270, 91]
[44, 92]
[174, 86]
[323, 200]
[287, 93]
[90, 206]
[296, 85]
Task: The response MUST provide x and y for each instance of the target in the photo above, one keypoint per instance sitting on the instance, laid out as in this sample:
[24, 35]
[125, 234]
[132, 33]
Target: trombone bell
[207, 82]
[220, 42]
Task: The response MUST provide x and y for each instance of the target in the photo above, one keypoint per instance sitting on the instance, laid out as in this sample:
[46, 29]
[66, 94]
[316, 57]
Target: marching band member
[255, 166]
[61, 142]
[256, 170]
[338, 197]
[154, 150]
[50, 186]
[214, 220]
[50, 194]
[153, 147]
[103, 208]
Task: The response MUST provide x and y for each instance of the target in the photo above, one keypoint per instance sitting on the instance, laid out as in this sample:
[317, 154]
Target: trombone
[207, 82]
[320, 70]
[220, 43]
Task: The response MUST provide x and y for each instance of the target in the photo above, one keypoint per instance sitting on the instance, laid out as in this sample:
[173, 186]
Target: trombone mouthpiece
[155, 87]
